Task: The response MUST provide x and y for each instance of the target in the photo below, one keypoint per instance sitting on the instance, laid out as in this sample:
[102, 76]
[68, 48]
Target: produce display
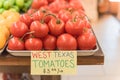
[15, 5]
[7, 18]
[52, 25]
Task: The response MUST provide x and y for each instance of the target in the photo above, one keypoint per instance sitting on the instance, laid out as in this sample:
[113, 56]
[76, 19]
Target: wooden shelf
[14, 64]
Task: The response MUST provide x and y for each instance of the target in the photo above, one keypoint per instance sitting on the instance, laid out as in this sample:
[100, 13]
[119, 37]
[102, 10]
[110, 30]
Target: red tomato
[40, 29]
[38, 15]
[18, 29]
[46, 7]
[86, 41]
[28, 36]
[31, 11]
[47, 19]
[54, 7]
[67, 0]
[36, 4]
[33, 44]
[76, 4]
[65, 15]
[56, 27]
[75, 27]
[57, 5]
[66, 42]
[45, 11]
[49, 42]
[15, 44]
[50, 1]
[26, 19]
[87, 24]
[78, 13]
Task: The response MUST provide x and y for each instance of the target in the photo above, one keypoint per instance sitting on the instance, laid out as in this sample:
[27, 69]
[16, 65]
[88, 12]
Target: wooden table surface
[12, 64]
[9, 63]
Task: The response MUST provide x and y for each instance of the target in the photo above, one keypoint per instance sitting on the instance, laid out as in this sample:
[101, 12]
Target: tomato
[54, 7]
[40, 29]
[28, 36]
[47, 17]
[76, 4]
[66, 42]
[31, 11]
[50, 1]
[79, 13]
[38, 15]
[57, 5]
[16, 44]
[36, 4]
[33, 44]
[46, 7]
[87, 24]
[18, 29]
[42, 14]
[74, 27]
[26, 19]
[65, 15]
[86, 41]
[49, 42]
[56, 27]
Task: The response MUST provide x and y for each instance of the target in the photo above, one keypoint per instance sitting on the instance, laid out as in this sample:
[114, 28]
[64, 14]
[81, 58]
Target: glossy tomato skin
[18, 29]
[33, 44]
[16, 44]
[49, 42]
[38, 15]
[56, 28]
[31, 11]
[57, 5]
[87, 24]
[66, 42]
[65, 15]
[26, 19]
[76, 4]
[86, 41]
[36, 4]
[79, 13]
[74, 28]
[40, 29]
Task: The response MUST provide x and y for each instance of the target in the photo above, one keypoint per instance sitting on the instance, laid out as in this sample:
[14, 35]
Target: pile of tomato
[53, 25]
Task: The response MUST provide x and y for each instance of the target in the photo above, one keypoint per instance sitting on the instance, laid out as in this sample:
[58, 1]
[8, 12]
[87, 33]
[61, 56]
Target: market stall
[46, 25]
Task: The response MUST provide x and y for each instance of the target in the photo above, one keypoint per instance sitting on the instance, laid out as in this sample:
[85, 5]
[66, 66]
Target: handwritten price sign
[53, 62]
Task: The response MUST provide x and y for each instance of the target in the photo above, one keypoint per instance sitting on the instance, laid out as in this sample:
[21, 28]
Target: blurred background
[94, 9]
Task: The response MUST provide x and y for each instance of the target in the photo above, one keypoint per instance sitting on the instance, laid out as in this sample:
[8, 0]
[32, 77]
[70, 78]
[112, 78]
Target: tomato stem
[58, 20]
[42, 21]
[26, 34]
[75, 19]
[71, 10]
[44, 11]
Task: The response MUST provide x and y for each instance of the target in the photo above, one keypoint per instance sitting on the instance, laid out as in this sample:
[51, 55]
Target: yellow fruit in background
[9, 20]
[13, 18]
[5, 31]
[2, 40]
[1, 17]
[9, 24]
[3, 22]
[8, 13]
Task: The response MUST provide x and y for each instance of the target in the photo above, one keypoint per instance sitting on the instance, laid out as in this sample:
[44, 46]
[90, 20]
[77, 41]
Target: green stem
[58, 21]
